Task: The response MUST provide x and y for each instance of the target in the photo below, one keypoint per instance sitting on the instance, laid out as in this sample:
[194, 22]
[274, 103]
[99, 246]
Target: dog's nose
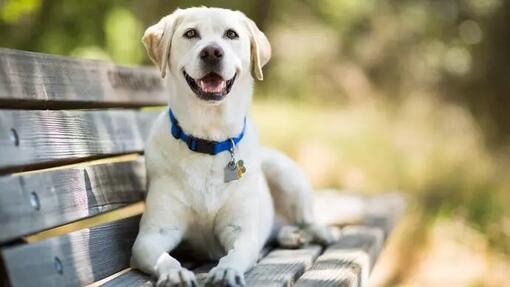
[211, 54]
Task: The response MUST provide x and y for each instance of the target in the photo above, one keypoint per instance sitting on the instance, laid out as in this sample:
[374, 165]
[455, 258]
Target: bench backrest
[64, 124]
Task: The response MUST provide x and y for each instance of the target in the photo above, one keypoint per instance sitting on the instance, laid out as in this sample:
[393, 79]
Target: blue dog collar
[201, 145]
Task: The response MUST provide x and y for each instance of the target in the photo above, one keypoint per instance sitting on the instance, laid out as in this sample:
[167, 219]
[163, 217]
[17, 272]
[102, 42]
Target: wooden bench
[72, 183]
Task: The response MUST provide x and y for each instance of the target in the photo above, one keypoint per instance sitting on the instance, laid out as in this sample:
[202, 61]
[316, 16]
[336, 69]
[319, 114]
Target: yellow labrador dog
[211, 185]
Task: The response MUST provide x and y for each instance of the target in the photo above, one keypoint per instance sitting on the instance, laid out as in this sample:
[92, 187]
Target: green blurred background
[368, 96]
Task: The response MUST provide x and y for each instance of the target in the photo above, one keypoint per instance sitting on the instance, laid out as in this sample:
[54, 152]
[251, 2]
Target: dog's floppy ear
[157, 40]
[260, 48]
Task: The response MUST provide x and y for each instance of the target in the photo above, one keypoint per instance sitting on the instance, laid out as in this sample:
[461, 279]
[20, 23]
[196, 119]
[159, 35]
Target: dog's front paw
[177, 277]
[219, 276]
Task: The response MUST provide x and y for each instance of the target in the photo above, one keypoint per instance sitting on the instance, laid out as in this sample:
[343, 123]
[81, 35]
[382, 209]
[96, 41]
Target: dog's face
[208, 49]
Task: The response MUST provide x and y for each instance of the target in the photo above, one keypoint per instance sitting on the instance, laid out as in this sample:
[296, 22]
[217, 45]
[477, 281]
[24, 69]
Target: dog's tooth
[202, 85]
[214, 87]
[220, 87]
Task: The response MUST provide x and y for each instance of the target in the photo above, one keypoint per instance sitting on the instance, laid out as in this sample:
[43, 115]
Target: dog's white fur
[188, 199]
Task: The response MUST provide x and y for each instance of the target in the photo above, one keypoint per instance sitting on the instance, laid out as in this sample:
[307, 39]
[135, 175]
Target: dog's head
[208, 49]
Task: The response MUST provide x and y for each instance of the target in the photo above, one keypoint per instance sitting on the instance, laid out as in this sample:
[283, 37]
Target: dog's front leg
[150, 254]
[242, 253]
[239, 234]
[161, 229]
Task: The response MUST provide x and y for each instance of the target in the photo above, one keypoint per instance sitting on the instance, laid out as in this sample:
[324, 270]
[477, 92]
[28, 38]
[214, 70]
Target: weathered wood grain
[38, 137]
[37, 201]
[130, 278]
[76, 259]
[348, 262]
[136, 278]
[33, 80]
[282, 267]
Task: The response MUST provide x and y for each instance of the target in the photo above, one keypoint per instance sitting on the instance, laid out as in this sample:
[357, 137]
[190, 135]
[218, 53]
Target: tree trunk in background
[261, 12]
[487, 91]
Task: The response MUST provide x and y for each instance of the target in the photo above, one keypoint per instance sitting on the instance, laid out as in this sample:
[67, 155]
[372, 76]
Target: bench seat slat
[130, 278]
[282, 267]
[38, 137]
[33, 80]
[75, 259]
[33, 202]
[347, 262]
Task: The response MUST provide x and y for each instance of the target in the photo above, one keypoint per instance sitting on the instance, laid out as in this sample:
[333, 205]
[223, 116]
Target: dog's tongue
[212, 83]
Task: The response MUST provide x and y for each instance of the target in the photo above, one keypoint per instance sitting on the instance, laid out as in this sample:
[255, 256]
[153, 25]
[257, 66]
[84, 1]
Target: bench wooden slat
[75, 259]
[130, 278]
[347, 262]
[282, 267]
[33, 80]
[37, 201]
[38, 137]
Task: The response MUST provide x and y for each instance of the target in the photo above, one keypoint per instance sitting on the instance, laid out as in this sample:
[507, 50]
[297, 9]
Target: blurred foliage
[367, 95]
[13, 10]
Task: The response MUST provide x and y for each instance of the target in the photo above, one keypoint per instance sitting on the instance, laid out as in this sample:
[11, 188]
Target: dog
[210, 183]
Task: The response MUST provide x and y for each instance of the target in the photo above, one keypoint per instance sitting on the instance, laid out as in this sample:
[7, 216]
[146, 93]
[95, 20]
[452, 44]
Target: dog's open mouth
[211, 87]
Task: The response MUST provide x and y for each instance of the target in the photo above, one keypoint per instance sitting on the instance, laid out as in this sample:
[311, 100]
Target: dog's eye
[231, 34]
[191, 33]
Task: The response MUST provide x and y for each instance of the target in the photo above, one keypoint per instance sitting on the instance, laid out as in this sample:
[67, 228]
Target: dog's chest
[204, 183]
[206, 193]
[202, 178]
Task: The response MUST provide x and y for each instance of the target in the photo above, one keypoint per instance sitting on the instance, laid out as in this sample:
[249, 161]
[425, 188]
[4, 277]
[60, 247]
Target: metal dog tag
[234, 169]
[231, 172]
